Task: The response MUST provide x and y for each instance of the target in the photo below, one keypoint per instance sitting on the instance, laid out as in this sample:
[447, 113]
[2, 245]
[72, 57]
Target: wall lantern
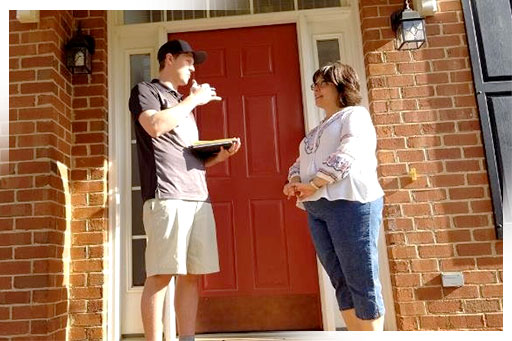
[409, 27]
[79, 51]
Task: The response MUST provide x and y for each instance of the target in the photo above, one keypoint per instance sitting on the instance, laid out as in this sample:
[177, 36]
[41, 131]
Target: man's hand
[203, 93]
[224, 154]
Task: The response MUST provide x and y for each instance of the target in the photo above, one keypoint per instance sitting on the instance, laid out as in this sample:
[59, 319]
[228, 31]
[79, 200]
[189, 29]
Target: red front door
[268, 278]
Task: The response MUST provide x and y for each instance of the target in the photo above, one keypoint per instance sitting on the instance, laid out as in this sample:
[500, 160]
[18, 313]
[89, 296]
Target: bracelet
[312, 183]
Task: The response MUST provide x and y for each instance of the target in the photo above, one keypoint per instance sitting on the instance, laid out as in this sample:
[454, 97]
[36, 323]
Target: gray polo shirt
[168, 170]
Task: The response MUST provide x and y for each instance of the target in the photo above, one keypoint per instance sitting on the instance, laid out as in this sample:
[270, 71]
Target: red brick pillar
[89, 187]
[53, 231]
[33, 292]
[424, 109]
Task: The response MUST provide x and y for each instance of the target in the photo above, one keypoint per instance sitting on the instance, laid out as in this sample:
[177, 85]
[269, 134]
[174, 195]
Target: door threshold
[263, 336]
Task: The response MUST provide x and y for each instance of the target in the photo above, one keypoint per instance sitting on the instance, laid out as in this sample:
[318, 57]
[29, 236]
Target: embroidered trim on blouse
[315, 134]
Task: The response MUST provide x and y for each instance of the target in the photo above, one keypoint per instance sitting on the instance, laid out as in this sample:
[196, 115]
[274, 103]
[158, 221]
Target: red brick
[414, 210]
[30, 312]
[423, 141]
[389, 170]
[406, 280]
[14, 327]
[451, 208]
[453, 89]
[435, 251]
[473, 152]
[431, 78]
[453, 236]
[480, 277]
[467, 291]
[16, 238]
[472, 125]
[429, 293]
[86, 293]
[399, 266]
[424, 265]
[407, 322]
[490, 263]
[34, 281]
[445, 41]
[444, 306]
[492, 290]
[429, 195]
[411, 308]
[447, 180]
[391, 143]
[460, 139]
[466, 321]
[463, 166]
[484, 234]
[494, 320]
[474, 249]
[471, 221]
[410, 155]
[444, 153]
[434, 322]
[414, 68]
[403, 252]
[435, 103]
[399, 81]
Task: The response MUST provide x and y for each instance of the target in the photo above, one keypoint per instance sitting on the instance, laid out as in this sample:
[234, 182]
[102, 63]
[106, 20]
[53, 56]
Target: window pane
[225, 8]
[135, 166]
[185, 15]
[137, 17]
[140, 68]
[267, 6]
[138, 262]
[307, 4]
[137, 225]
[328, 51]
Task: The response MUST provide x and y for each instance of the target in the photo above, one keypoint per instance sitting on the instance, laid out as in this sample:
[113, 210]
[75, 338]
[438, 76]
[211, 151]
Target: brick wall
[425, 113]
[51, 255]
[89, 188]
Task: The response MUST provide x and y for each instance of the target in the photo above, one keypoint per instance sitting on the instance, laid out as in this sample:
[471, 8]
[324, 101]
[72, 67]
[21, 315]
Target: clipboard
[208, 148]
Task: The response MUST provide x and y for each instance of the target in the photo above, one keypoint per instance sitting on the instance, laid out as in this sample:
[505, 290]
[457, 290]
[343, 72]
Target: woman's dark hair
[345, 79]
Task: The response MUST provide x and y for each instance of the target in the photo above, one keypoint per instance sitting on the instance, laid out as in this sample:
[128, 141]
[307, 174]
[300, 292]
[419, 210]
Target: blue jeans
[345, 235]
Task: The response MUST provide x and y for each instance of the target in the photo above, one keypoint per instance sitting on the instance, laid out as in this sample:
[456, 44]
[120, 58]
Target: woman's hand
[303, 190]
[289, 190]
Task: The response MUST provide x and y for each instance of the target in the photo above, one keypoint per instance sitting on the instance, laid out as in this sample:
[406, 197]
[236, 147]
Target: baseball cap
[180, 46]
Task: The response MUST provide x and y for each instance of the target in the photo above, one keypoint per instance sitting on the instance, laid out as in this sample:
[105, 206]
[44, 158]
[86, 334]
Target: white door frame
[122, 39]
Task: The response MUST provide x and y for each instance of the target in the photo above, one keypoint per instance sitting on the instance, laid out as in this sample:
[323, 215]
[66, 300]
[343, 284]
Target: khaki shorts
[181, 237]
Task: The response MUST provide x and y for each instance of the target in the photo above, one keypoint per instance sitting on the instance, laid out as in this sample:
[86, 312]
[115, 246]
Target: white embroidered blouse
[341, 150]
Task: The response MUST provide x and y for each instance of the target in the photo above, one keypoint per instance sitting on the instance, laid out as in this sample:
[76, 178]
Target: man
[177, 215]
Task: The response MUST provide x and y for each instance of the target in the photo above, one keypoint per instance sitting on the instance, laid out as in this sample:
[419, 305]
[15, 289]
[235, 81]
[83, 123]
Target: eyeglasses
[319, 84]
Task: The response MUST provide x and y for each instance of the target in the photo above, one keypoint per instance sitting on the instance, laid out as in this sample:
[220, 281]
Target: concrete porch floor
[265, 336]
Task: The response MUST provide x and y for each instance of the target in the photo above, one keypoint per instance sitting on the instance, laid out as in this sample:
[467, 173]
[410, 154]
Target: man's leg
[152, 305]
[186, 299]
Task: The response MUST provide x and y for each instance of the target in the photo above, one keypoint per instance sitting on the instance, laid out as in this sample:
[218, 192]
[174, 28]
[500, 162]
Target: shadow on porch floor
[267, 336]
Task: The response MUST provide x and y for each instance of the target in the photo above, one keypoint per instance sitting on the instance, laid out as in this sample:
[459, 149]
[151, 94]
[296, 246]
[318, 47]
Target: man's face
[184, 66]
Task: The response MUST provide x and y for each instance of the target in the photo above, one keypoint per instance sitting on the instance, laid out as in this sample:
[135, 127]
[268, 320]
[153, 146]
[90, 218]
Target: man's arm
[157, 123]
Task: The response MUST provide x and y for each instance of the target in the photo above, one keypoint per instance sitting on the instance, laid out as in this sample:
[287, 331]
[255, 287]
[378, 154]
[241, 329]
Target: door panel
[268, 278]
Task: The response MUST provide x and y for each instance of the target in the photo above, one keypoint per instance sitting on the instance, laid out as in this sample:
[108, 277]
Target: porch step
[263, 336]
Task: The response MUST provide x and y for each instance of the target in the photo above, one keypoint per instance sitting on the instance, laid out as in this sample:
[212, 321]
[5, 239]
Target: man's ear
[169, 57]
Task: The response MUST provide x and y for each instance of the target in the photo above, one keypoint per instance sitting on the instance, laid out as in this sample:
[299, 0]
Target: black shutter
[489, 31]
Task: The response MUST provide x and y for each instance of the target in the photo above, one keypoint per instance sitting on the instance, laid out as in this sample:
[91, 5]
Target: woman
[335, 180]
